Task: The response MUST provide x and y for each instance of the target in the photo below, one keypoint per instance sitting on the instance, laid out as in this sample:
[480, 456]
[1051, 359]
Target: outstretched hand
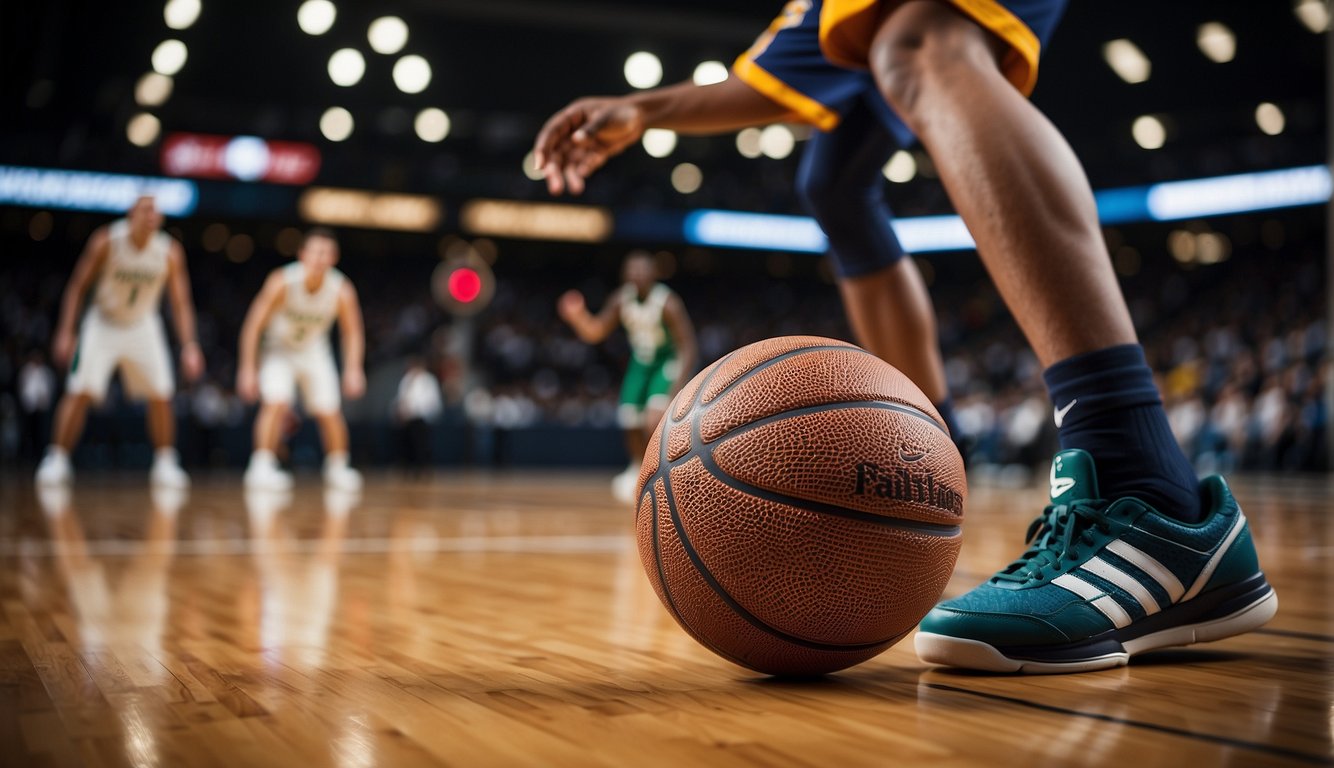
[579, 139]
[571, 305]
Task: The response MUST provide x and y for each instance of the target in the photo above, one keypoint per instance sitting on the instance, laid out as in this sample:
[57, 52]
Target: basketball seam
[771, 361]
[892, 405]
[737, 608]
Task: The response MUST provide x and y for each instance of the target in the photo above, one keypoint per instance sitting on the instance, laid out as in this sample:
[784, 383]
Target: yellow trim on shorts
[848, 26]
[803, 107]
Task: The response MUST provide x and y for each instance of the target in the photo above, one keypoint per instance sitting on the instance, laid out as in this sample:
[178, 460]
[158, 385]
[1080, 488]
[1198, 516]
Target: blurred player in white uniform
[126, 264]
[293, 312]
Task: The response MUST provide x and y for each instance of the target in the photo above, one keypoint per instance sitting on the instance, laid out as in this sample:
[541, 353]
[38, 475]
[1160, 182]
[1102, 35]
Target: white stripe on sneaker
[1100, 600]
[1145, 562]
[1099, 567]
[1217, 557]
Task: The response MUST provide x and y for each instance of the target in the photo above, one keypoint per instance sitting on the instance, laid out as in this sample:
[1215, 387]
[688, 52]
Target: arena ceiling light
[412, 74]
[748, 142]
[315, 17]
[370, 210]
[1127, 60]
[901, 168]
[346, 67]
[1149, 132]
[432, 124]
[643, 70]
[687, 178]
[710, 72]
[1313, 14]
[387, 34]
[659, 142]
[143, 129]
[777, 141]
[1270, 118]
[336, 124]
[152, 90]
[169, 56]
[1216, 42]
[181, 14]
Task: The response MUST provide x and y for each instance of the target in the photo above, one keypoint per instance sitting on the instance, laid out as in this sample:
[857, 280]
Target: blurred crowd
[1240, 348]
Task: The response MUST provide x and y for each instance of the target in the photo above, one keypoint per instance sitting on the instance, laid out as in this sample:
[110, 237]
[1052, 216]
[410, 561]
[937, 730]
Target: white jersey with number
[643, 321]
[130, 284]
[304, 316]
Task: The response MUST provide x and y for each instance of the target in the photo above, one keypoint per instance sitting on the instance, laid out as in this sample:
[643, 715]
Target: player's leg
[277, 389]
[632, 419]
[885, 299]
[1112, 570]
[89, 375]
[146, 370]
[320, 392]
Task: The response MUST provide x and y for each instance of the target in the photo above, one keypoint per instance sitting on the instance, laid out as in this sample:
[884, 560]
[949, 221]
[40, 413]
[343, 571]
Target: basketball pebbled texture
[800, 506]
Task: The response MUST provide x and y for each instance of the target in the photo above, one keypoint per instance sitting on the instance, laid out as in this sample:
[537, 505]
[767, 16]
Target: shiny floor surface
[504, 619]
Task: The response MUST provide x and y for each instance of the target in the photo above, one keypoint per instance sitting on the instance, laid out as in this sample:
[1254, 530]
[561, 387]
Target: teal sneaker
[1104, 580]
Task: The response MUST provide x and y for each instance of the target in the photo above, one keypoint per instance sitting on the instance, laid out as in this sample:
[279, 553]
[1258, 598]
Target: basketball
[799, 506]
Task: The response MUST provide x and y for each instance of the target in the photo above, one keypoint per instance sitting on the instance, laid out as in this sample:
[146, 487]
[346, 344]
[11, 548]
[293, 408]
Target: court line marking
[1294, 754]
[554, 545]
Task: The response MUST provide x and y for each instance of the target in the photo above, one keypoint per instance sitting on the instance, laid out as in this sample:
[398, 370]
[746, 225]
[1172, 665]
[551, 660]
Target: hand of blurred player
[354, 383]
[247, 384]
[63, 347]
[577, 140]
[192, 361]
[571, 305]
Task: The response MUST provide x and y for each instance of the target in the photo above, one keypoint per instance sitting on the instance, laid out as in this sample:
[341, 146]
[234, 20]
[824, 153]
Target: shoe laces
[1058, 538]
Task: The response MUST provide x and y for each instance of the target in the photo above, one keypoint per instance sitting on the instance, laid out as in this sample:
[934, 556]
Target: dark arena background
[480, 601]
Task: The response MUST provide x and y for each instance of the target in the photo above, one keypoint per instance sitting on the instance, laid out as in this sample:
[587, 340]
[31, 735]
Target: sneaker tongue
[1073, 477]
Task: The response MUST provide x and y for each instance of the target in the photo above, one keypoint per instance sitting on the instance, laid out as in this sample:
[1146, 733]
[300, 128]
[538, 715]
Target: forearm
[184, 315]
[249, 343]
[70, 304]
[354, 349]
[706, 109]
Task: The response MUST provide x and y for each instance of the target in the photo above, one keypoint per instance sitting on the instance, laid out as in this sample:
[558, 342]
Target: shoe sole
[974, 654]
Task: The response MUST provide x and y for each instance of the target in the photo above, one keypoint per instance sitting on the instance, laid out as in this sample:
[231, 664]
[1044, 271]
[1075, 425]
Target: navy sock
[1107, 404]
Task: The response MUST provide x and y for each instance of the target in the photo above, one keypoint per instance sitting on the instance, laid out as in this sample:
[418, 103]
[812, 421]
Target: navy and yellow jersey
[812, 58]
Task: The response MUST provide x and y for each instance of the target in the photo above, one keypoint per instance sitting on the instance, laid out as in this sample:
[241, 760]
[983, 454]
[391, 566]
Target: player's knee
[830, 196]
[923, 45]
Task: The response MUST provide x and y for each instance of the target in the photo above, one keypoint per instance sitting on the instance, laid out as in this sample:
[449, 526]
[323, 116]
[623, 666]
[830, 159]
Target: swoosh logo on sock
[1059, 413]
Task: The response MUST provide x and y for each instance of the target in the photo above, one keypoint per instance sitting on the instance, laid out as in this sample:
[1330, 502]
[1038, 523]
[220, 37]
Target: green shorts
[647, 386]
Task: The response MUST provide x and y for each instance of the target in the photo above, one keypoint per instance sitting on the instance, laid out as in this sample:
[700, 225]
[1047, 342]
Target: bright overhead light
[143, 129]
[643, 70]
[412, 74]
[152, 90]
[1314, 14]
[748, 142]
[387, 34]
[346, 66]
[169, 56]
[180, 14]
[1270, 119]
[710, 72]
[336, 124]
[777, 141]
[687, 178]
[1127, 60]
[315, 17]
[432, 124]
[1149, 132]
[901, 168]
[1216, 42]
[659, 142]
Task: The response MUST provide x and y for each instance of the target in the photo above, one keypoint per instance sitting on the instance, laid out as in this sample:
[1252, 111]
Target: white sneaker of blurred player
[623, 485]
[264, 474]
[55, 468]
[167, 472]
[337, 474]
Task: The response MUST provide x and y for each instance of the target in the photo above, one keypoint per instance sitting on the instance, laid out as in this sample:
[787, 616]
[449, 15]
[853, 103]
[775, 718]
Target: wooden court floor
[495, 620]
